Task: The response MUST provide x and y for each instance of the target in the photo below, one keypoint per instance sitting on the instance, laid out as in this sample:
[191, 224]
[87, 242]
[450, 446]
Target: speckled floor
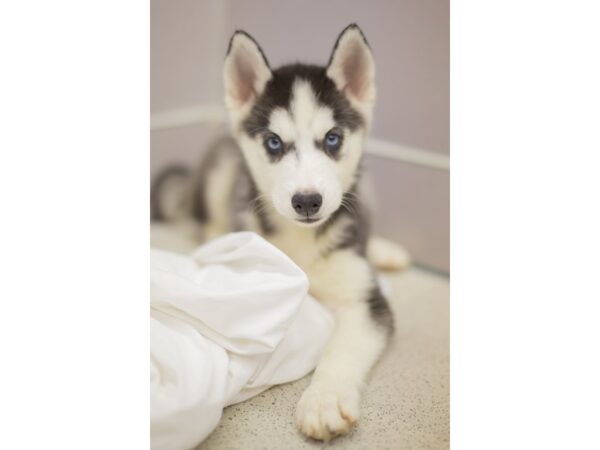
[405, 406]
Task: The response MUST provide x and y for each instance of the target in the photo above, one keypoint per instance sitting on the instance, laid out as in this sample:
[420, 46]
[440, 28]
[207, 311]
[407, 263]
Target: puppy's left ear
[351, 66]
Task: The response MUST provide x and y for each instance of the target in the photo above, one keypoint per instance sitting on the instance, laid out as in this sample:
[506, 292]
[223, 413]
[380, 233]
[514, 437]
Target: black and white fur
[290, 184]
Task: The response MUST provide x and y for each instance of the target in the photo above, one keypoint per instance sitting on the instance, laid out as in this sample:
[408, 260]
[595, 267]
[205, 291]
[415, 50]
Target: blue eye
[273, 145]
[333, 141]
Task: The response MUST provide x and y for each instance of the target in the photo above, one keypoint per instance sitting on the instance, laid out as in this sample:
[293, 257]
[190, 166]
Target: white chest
[299, 244]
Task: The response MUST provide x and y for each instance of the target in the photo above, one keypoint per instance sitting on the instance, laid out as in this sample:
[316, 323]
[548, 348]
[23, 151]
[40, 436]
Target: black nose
[307, 204]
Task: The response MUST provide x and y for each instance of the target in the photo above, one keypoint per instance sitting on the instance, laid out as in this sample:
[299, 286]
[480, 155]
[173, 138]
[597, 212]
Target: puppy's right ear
[246, 71]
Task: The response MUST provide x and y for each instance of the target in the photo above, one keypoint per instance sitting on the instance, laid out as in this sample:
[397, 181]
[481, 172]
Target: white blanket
[227, 322]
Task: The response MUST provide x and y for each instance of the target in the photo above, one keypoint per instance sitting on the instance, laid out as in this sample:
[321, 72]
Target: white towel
[227, 322]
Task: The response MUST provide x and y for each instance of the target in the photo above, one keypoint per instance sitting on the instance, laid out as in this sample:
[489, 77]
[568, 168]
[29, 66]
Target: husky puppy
[300, 129]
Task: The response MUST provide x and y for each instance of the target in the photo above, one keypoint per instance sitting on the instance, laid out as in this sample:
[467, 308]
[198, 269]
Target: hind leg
[218, 183]
[387, 255]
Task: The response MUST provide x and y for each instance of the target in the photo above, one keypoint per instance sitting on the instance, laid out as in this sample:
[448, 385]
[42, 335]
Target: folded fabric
[227, 322]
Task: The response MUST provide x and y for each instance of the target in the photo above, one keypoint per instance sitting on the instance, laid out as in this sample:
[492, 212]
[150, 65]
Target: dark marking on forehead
[278, 94]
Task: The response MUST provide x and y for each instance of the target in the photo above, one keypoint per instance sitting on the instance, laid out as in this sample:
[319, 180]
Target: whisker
[349, 207]
[259, 203]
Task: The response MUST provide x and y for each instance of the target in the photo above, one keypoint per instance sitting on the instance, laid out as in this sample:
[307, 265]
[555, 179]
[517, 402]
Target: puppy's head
[301, 127]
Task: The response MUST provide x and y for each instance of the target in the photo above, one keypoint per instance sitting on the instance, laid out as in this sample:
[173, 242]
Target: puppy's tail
[170, 194]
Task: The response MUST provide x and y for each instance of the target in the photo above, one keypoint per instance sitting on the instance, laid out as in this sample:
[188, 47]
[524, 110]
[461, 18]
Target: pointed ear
[351, 66]
[246, 71]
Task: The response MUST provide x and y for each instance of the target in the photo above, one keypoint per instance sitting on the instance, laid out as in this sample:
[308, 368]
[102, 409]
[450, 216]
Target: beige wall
[410, 39]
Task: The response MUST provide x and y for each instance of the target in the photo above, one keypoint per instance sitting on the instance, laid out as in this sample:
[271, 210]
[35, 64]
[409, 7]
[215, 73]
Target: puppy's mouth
[309, 220]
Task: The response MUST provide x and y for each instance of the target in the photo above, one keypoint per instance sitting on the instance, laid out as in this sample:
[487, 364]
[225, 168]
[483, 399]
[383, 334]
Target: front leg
[345, 282]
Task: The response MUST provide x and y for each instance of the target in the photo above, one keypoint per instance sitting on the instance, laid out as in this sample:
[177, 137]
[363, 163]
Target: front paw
[324, 412]
[386, 255]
